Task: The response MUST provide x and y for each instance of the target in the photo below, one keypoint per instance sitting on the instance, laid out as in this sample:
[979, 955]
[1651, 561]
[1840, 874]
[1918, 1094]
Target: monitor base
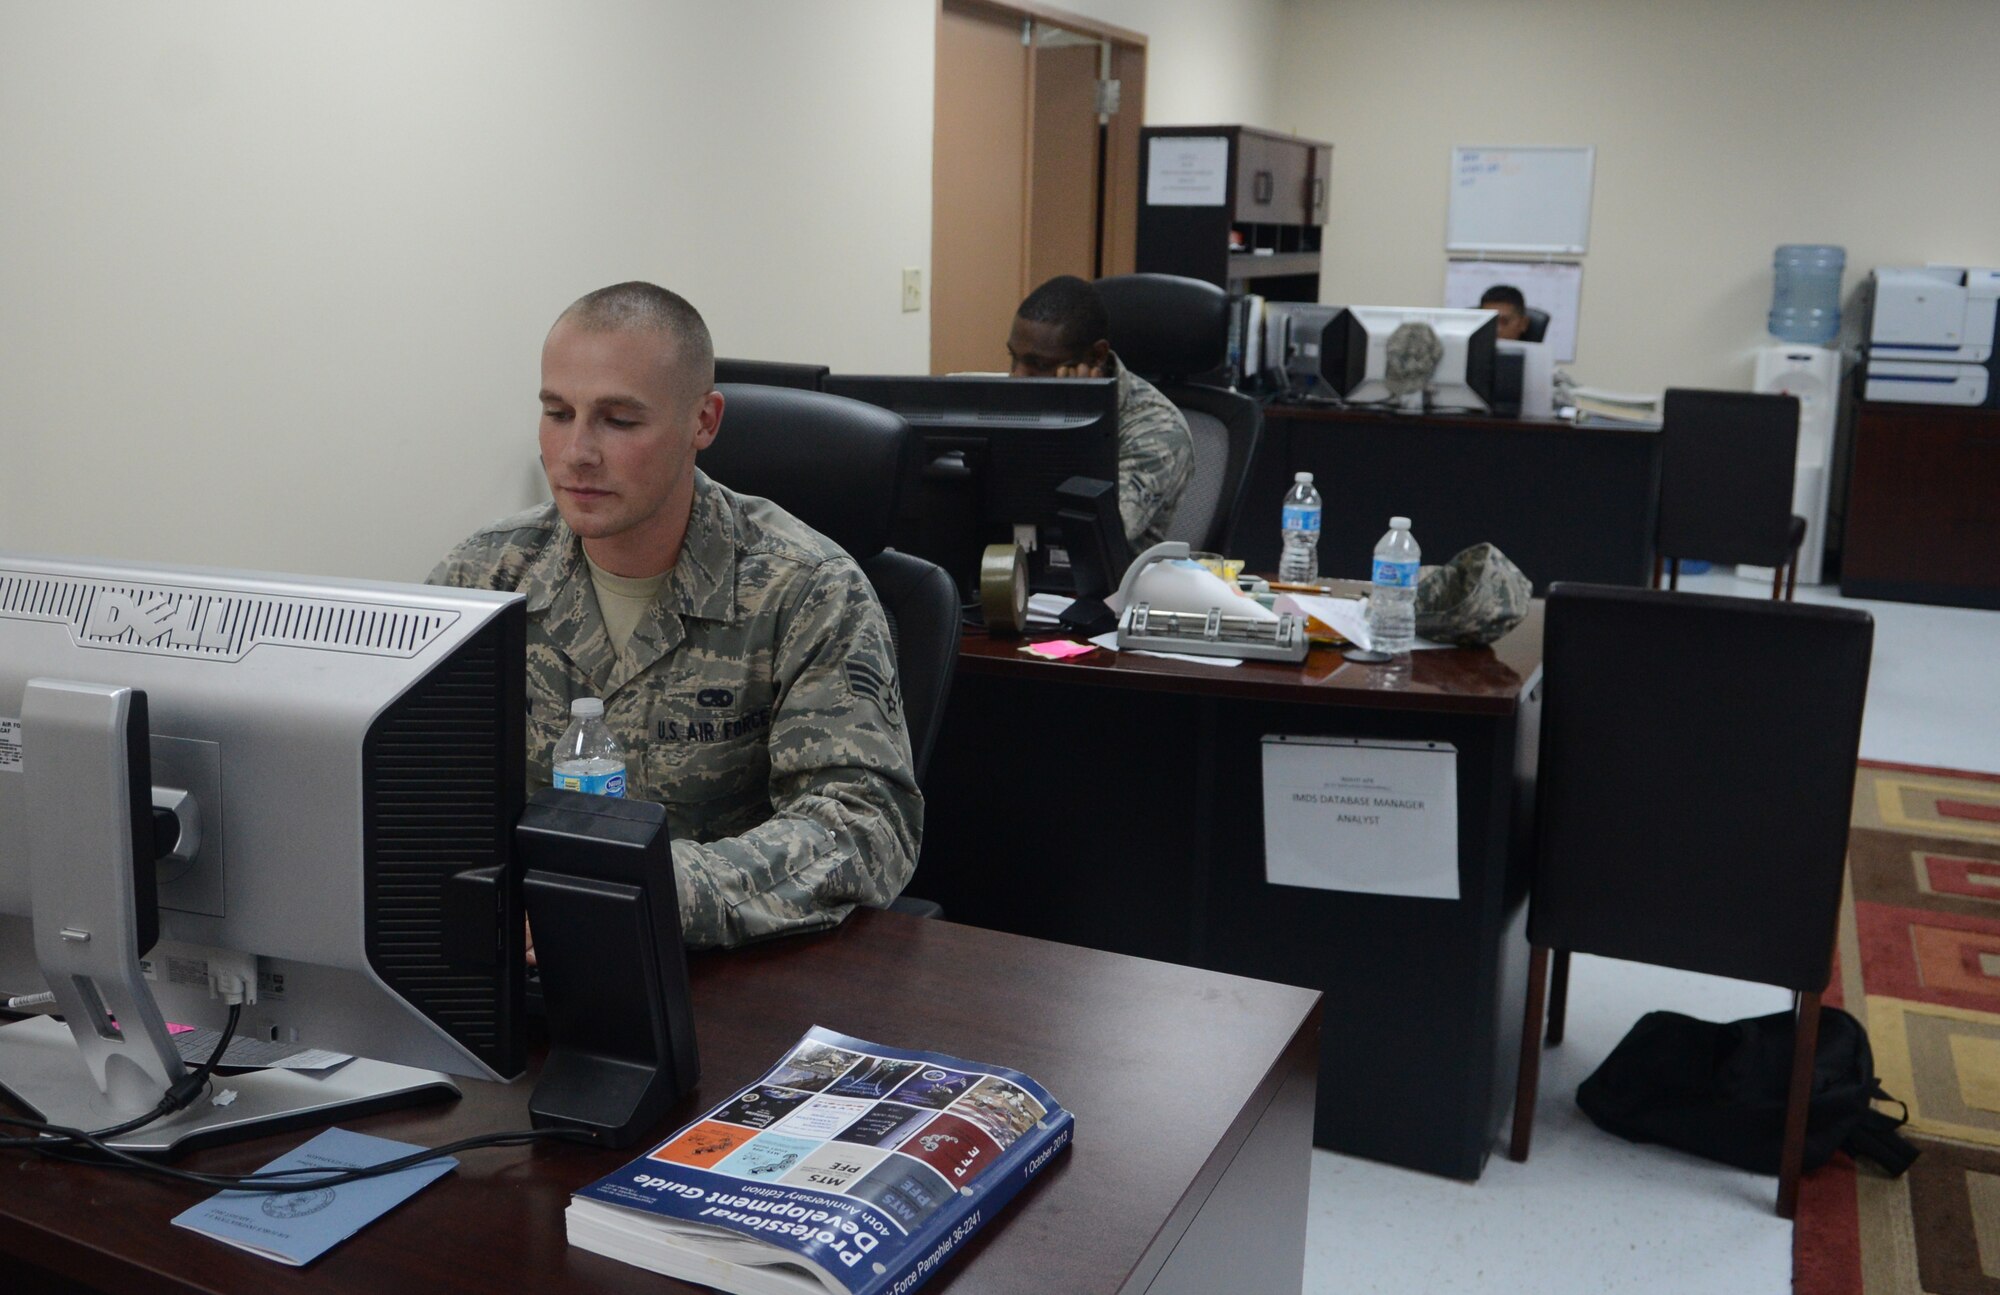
[42, 1070]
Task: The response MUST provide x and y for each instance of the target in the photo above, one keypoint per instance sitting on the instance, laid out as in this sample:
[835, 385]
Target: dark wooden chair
[1696, 777]
[1726, 464]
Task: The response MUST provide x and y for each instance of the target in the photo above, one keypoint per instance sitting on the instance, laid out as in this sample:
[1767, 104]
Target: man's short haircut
[1504, 293]
[647, 306]
[1074, 306]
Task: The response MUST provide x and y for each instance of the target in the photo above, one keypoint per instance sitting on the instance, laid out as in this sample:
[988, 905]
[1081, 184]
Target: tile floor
[1588, 1212]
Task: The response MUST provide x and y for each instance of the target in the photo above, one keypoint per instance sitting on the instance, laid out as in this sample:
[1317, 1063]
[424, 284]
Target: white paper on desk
[1182, 585]
[1047, 609]
[1370, 816]
[1347, 617]
[1109, 642]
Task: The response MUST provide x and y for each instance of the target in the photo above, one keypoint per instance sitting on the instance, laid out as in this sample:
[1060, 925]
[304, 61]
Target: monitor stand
[42, 1070]
[94, 913]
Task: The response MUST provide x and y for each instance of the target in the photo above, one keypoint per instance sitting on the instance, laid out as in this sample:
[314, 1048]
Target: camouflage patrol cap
[1473, 599]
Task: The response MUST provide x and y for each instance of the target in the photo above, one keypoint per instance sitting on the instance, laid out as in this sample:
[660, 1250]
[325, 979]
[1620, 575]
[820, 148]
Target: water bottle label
[597, 784]
[1300, 517]
[1395, 575]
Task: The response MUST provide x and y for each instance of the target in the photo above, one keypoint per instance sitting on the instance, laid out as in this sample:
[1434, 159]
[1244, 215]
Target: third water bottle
[1392, 603]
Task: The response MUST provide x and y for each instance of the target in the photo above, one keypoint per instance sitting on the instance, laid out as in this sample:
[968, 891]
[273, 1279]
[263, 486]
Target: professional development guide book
[848, 1169]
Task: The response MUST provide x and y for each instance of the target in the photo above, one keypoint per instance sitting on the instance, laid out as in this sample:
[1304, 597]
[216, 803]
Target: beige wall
[273, 278]
[1723, 128]
[1207, 61]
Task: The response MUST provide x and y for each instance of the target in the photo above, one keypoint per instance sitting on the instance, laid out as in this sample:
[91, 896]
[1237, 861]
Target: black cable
[65, 1147]
[176, 1098]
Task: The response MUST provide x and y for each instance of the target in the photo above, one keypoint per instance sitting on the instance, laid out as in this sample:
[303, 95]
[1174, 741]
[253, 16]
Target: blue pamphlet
[298, 1227]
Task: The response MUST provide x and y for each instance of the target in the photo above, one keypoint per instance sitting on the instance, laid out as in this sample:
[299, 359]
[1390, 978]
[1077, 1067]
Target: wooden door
[1062, 179]
[1028, 181]
[979, 179]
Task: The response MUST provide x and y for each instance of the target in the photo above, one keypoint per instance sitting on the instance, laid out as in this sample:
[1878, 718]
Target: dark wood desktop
[1193, 1096]
[1563, 502]
[1114, 800]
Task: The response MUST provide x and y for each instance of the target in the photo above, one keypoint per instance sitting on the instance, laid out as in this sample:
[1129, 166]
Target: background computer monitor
[356, 751]
[1354, 354]
[992, 452]
[771, 373]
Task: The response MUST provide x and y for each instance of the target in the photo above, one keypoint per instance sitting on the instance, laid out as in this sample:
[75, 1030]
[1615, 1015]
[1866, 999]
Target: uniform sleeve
[1155, 459]
[846, 813]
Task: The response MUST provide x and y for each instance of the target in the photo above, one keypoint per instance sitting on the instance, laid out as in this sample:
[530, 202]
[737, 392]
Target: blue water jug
[1805, 298]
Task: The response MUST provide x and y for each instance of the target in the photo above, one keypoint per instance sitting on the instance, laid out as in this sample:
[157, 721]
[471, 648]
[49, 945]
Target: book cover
[848, 1167]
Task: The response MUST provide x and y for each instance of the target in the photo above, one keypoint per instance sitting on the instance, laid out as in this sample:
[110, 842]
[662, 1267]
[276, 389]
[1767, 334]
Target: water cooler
[1811, 373]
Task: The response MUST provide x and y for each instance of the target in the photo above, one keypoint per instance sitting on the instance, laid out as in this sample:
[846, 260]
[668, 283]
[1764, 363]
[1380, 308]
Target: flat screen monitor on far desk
[993, 451]
[338, 767]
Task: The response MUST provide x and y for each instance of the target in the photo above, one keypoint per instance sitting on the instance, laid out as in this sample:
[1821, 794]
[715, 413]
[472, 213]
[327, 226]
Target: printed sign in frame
[1372, 816]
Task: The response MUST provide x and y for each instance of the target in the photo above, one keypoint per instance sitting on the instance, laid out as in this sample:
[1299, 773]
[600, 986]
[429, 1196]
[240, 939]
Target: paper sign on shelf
[1371, 816]
[1187, 171]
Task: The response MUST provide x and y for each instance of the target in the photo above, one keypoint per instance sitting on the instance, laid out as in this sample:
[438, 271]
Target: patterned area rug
[1919, 962]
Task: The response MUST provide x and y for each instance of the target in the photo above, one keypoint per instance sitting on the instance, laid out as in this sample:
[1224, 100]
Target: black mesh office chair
[1726, 463]
[1538, 325]
[838, 465]
[1696, 776]
[1167, 329]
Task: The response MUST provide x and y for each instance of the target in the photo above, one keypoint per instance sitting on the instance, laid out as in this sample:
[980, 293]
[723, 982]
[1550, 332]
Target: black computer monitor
[1354, 356]
[993, 451]
[771, 373]
[344, 763]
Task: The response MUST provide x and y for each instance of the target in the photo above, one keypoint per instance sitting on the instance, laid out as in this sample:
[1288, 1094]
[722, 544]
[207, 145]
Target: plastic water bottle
[588, 758]
[1805, 292]
[1298, 561]
[1392, 603]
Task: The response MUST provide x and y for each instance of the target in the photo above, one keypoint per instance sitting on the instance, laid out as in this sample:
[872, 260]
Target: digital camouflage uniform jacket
[1155, 458]
[757, 701]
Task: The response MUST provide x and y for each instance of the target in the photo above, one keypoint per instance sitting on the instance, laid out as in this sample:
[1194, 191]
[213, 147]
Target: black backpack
[1719, 1091]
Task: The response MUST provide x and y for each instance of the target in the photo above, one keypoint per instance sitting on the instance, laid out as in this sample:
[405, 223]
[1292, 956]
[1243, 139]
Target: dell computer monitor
[1355, 357]
[354, 755]
[993, 452]
[771, 373]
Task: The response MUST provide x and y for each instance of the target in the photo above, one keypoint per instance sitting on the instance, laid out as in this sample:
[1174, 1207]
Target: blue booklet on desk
[847, 1169]
[298, 1227]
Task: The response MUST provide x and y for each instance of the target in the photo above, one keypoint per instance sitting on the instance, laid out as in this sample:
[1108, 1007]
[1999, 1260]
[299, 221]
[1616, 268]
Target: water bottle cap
[1303, 478]
[586, 707]
[1399, 523]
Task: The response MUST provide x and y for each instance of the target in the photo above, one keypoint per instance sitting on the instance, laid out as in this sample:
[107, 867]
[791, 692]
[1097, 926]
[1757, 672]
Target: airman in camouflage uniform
[1062, 331]
[756, 697]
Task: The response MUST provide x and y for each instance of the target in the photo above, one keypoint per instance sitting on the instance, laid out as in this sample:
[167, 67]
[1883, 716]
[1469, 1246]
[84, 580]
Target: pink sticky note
[1058, 649]
[176, 1028]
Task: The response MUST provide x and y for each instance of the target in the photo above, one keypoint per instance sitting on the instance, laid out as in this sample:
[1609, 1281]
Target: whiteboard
[1553, 286]
[1520, 200]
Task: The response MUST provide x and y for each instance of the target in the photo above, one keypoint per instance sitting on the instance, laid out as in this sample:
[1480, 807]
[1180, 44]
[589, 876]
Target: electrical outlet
[913, 289]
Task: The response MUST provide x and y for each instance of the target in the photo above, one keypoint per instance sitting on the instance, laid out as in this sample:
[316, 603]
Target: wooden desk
[1193, 1096]
[1114, 800]
[1563, 502]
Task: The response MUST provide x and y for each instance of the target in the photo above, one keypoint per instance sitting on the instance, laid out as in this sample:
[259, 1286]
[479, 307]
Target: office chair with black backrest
[1726, 465]
[1167, 329]
[1538, 325]
[1694, 790]
[838, 466]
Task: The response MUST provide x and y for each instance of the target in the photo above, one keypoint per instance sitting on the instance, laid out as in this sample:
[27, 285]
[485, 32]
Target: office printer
[1931, 335]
